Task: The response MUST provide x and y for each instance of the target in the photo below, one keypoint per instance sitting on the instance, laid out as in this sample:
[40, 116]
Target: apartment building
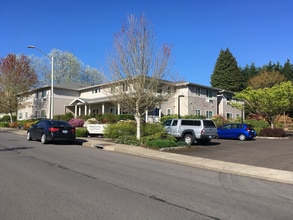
[189, 99]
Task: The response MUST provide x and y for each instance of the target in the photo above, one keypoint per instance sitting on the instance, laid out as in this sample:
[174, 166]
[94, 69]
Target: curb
[280, 176]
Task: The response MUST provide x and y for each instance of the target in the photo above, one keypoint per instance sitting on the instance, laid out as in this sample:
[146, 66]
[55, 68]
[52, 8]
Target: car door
[235, 130]
[39, 129]
[225, 131]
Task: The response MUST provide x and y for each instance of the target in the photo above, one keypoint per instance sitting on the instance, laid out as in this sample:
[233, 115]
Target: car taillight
[53, 129]
[73, 130]
[247, 129]
[202, 131]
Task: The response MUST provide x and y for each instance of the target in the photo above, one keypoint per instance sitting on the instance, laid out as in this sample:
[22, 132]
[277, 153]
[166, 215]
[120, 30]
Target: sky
[255, 31]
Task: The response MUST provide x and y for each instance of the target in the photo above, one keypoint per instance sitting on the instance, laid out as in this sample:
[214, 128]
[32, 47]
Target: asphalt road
[73, 182]
[262, 152]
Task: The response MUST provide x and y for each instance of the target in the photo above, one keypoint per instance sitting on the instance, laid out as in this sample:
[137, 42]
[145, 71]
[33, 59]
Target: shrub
[219, 120]
[128, 139]
[115, 131]
[13, 125]
[272, 132]
[6, 118]
[258, 125]
[4, 124]
[65, 117]
[80, 132]
[160, 143]
[76, 122]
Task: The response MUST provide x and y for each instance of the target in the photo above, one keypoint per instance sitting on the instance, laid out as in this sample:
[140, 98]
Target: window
[26, 115]
[113, 110]
[197, 91]
[197, 112]
[209, 114]
[168, 111]
[124, 88]
[229, 115]
[209, 93]
[237, 115]
[175, 122]
[20, 115]
[191, 122]
[37, 94]
[43, 114]
[96, 90]
[44, 93]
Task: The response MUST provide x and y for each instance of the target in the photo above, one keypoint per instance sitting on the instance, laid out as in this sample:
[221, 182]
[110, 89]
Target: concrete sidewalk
[204, 163]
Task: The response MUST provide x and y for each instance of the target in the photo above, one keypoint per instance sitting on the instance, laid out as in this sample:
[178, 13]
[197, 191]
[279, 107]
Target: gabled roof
[88, 101]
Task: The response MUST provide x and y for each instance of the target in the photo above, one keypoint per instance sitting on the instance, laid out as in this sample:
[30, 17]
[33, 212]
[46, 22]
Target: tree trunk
[137, 118]
[10, 115]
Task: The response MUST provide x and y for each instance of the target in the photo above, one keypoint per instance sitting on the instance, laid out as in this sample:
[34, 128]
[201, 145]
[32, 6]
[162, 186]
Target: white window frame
[197, 112]
[209, 114]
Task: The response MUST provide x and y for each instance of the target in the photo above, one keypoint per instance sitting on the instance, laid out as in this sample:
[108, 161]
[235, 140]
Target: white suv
[192, 131]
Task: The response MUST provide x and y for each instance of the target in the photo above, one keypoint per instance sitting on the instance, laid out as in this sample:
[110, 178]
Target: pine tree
[287, 70]
[227, 75]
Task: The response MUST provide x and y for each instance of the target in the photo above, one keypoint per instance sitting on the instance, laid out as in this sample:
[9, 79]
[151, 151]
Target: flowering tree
[268, 102]
[16, 75]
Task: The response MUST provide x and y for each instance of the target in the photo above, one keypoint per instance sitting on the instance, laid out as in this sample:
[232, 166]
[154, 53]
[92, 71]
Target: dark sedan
[236, 131]
[51, 130]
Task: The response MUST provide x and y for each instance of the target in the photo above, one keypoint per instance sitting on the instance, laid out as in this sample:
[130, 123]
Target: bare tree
[138, 72]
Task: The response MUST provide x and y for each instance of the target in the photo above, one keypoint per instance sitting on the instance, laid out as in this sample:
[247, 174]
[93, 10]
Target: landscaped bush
[76, 122]
[160, 143]
[4, 124]
[80, 132]
[6, 118]
[257, 125]
[128, 139]
[115, 131]
[272, 132]
[219, 120]
[65, 117]
[13, 125]
[152, 135]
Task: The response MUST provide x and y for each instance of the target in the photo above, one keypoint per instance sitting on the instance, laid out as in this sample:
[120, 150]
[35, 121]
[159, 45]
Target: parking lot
[262, 152]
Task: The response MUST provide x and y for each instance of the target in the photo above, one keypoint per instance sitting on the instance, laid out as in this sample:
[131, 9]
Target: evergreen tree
[227, 75]
[287, 70]
[248, 72]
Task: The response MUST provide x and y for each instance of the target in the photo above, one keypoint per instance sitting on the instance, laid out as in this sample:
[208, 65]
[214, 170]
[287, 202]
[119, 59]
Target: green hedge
[81, 132]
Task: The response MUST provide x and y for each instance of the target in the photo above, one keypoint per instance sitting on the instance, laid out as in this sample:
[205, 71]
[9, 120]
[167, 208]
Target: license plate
[64, 131]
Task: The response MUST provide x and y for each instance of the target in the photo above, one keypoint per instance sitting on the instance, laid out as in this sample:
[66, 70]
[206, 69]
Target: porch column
[118, 109]
[79, 110]
[85, 110]
[90, 109]
[103, 108]
[75, 111]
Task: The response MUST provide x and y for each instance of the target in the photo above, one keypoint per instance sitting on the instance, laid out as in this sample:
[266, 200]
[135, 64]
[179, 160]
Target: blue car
[236, 131]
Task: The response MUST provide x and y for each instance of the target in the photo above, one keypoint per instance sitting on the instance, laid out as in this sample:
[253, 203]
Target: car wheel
[242, 137]
[188, 139]
[28, 136]
[43, 139]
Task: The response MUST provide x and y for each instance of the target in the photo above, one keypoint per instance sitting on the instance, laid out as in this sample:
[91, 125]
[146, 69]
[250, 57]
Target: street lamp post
[179, 104]
[52, 79]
